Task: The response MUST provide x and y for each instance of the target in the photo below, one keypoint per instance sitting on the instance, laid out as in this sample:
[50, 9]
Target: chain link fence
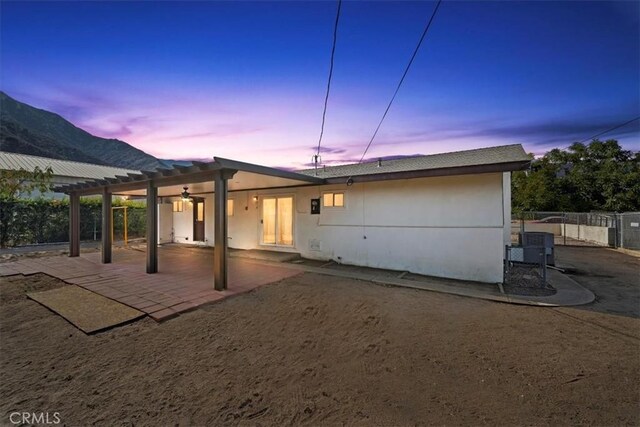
[607, 229]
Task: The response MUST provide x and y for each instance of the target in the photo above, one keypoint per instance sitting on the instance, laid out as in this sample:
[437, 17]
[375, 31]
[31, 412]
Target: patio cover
[219, 177]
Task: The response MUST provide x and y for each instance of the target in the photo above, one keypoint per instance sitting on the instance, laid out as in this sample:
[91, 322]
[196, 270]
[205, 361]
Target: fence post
[622, 230]
[544, 267]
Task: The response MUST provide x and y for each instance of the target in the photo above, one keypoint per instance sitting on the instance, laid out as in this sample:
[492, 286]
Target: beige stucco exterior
[454, 226]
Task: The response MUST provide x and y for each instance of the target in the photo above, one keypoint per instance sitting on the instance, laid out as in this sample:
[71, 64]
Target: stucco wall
[445, 226]
[506, 209]
[183, 222]
[165, 222]
[601, 235]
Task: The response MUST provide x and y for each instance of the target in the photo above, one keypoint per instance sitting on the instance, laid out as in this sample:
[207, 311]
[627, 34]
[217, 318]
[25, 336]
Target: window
[333, 200]
[200, 211]
[229, 207]
[177, 206]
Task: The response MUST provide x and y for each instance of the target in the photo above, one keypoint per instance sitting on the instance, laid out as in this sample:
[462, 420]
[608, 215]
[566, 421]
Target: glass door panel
[269, 221]
[277, 221]
[285, 221]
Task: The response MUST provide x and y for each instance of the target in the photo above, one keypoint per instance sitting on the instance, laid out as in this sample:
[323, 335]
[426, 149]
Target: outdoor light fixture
[185, 194]
[255, 199]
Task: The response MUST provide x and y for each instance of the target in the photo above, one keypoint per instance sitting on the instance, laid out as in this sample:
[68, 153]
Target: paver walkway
[184, 280]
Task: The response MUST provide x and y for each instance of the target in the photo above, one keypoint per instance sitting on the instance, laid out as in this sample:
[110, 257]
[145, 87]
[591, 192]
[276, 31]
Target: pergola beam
[178, 174]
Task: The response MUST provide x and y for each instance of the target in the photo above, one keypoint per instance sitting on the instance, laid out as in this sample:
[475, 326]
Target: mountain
[28, 130]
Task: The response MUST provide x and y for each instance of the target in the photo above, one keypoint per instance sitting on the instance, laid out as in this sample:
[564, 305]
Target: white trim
[334, 192]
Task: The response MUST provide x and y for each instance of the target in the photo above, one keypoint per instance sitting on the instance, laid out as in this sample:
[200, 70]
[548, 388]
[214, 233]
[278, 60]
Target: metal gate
[628, 230]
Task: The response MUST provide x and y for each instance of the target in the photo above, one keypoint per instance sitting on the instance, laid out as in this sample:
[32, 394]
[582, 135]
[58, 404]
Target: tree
[21, 182]
[598, 176]
[13, 185]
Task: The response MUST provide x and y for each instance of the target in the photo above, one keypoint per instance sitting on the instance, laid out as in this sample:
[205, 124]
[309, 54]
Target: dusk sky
[247, 80]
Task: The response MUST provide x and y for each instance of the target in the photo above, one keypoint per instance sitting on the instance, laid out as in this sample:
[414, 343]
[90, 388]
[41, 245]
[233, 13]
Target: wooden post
[107, 227]
[220, 229]
[74, 225]
[220, 233]
[152, 228]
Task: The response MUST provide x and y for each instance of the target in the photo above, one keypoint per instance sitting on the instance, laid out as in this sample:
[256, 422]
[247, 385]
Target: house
[64, 172]
[445, 215]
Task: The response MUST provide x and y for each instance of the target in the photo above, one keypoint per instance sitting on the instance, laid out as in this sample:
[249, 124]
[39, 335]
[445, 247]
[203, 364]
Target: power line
[609, 130]
[415, 52]
[326, 97]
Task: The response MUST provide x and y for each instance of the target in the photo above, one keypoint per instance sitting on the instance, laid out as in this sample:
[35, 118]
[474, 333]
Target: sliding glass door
[277, 221]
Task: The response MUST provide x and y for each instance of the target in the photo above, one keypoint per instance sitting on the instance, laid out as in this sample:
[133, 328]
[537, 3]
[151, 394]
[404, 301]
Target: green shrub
[25, 221]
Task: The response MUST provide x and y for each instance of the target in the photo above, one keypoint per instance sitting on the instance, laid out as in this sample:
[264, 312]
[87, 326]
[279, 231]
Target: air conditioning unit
[539, 239]
[527, 255]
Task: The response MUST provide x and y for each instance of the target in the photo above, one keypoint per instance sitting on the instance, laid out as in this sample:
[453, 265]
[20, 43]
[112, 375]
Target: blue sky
[246, 80]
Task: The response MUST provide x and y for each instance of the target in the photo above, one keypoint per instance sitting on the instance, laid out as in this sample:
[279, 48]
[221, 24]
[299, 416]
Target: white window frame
[344, 199]
[260, 219]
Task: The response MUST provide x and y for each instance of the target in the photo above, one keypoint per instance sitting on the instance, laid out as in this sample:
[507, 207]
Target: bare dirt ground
[324, 350]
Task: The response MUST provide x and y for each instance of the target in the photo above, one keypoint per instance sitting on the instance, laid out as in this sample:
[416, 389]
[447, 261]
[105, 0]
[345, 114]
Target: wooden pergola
[218, 177]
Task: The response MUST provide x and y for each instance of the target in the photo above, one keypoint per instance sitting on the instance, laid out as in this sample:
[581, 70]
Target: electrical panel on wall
[315, 206]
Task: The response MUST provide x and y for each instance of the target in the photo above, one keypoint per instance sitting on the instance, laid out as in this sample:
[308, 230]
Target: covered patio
[183, 283]
[218, 177]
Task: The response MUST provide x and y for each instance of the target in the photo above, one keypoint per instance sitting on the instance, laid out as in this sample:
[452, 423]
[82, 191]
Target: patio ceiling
[199, 178]
[242, 180]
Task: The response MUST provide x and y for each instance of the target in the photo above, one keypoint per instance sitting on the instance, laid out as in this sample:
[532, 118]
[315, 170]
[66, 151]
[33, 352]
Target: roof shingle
[458, 159]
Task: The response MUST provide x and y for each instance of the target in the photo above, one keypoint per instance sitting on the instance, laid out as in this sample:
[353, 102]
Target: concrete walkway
[568, 291]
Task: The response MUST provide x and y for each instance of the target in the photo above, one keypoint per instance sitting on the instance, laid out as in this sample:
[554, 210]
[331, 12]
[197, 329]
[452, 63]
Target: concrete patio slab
[184, 282]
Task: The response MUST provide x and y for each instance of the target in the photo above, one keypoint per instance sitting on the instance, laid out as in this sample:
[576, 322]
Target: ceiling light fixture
[185, 194]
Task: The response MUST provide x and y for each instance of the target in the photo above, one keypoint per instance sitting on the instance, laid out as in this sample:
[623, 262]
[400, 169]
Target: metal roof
[505, 154]
[14, 161]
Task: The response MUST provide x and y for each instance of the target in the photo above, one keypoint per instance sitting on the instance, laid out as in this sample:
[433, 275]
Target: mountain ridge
[25, 129]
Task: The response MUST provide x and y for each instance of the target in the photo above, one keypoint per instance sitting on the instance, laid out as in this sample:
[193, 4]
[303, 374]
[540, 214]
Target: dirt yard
[323, 350]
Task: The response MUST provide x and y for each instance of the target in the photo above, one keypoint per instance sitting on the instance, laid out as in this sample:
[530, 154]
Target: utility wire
[415, 52]
[326, 97]
[609, 130]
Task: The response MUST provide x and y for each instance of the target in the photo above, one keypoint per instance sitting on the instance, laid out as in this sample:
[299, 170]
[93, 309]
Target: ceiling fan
[185, 194]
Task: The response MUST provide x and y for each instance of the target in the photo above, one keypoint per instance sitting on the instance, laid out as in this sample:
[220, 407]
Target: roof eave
[425, 173]
[265, 170]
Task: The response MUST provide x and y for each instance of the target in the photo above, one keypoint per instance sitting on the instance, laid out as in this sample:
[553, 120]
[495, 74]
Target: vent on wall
[314, 245]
